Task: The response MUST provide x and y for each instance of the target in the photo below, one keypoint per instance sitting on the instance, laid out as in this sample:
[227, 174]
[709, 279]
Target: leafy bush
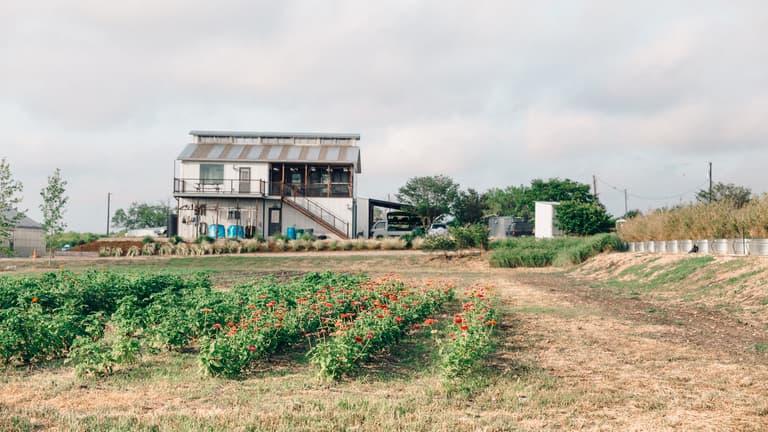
[439, 243]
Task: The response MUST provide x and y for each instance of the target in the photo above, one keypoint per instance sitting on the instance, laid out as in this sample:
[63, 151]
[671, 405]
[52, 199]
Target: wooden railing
[320, 214]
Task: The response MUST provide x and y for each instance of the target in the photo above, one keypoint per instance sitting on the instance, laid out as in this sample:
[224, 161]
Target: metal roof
[331, 154]
[24, 222]
[273, 134]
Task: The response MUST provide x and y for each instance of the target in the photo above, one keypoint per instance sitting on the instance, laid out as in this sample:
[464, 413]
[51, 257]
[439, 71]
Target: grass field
[575, 352]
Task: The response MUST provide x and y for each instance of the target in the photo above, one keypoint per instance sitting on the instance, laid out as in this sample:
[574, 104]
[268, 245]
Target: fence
[735, 246]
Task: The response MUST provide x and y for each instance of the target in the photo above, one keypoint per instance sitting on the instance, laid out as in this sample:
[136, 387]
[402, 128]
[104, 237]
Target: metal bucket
[660, 246]
[650, 246]
[704, 247]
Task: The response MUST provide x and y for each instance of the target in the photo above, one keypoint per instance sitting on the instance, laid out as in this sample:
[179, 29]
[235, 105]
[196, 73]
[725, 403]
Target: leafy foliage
[429, 196]
[737, 196]
[53, 205]
[141, 215]
[10, 199]
[582, 218]
[469, 207]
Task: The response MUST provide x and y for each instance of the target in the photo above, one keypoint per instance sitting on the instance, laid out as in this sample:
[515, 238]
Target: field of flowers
[100, 320]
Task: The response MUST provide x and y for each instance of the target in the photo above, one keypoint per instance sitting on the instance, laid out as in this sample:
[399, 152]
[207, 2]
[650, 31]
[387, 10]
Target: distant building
[250, 184]
[545, 214]
[26, 237]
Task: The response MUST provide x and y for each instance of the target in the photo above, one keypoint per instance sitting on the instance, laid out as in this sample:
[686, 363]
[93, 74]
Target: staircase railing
[321, 213]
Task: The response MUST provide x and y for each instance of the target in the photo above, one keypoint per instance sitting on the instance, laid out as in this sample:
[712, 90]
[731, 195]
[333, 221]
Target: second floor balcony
[195, 187]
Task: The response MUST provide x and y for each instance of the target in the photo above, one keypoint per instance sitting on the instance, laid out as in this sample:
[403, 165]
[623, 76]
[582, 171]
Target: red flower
[457, 320]
[251, 306]
[217, 326]
[398, 319]
[278, 324]
[358, 339]
[429, 322]
[251, 348]
[464, 328]
[416, 326]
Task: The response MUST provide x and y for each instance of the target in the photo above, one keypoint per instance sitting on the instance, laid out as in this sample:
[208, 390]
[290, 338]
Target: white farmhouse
[250, 184]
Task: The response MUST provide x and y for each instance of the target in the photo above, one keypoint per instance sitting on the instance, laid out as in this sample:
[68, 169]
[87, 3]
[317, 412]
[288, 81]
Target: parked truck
[396, 224]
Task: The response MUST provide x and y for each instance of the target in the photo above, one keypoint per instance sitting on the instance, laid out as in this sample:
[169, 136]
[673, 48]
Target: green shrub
[148, 239]
[439, 243]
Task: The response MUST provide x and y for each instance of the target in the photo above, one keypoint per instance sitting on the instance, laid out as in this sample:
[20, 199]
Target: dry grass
[701, 221]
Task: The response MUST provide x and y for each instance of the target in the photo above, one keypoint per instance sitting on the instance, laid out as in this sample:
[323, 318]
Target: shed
[545, 212]
[26, 237]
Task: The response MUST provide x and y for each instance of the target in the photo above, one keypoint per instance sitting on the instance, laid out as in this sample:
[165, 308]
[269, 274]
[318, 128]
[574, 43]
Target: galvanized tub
[721, 246]
[758, 247]
[741, 246]
[660, 246]
[650, 246]
[672, 246]
[684, 246]
[704, 246]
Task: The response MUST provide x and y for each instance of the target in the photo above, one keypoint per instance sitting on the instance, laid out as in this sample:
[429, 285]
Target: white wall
[251, 213]
[545, 220]
[259, 171]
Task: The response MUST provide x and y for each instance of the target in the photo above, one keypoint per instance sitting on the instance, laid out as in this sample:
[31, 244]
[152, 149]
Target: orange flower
[398, 319]
[34, 299]
[429, 322]
[457, 320]
[217, 326]
[491, 322]
[251, 348]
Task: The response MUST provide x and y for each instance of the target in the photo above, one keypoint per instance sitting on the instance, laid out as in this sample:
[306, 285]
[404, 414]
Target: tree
[10, 198]
[469, 207]
[141, 215]
[737, 196]
[556, 189]
[582, 218]
[512, 201]
[429, 196]
[53, 204]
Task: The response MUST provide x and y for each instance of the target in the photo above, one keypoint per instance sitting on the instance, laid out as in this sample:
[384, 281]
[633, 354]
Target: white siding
[545, 220]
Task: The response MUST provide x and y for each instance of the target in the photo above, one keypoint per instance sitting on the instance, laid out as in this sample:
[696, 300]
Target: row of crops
[100, 320]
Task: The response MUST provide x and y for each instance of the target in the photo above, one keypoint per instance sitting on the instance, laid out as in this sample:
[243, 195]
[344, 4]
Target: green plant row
[390, 316]
[468, 339]
[531, 252]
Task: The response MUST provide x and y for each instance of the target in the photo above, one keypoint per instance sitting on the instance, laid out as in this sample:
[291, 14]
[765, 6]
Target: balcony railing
[312, 190]
[219, 187]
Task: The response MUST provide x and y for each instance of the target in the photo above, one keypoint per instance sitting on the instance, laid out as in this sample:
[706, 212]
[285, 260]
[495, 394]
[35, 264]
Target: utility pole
[594, 185]
[626, 210]
[109, 196]
[710, 182]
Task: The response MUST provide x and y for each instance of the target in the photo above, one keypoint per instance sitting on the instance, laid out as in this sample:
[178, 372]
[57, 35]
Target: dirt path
[618, 365]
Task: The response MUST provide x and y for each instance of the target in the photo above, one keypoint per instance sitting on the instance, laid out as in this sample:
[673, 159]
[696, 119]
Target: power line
[650, 198]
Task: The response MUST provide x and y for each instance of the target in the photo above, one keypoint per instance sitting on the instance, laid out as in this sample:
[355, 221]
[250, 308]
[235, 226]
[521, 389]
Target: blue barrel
[291, 233]
[235, 231]
[216, 231]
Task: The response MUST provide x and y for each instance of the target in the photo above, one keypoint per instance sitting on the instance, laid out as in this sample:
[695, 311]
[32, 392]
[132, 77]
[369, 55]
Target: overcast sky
[641, 94]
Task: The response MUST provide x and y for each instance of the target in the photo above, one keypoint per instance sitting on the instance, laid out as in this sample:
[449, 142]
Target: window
[211, 174]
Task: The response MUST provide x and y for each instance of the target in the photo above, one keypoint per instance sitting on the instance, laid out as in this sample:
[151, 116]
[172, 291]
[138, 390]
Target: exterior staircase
[318, 214]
